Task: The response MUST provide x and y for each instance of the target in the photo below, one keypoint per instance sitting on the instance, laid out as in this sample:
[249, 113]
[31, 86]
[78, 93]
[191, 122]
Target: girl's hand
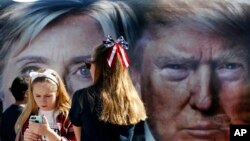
[30, 136]
[39, 128]
[44, 130]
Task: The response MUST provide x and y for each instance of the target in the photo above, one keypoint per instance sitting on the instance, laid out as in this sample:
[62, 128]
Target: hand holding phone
[36, 118]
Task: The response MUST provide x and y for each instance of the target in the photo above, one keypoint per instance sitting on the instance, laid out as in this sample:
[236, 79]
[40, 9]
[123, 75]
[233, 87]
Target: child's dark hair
[19, 87]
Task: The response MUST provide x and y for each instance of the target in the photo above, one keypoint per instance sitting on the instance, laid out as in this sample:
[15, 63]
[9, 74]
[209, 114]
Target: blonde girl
[47, 98]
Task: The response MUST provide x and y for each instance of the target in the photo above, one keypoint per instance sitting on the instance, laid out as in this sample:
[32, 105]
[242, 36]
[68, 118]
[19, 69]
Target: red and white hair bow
[118, 47]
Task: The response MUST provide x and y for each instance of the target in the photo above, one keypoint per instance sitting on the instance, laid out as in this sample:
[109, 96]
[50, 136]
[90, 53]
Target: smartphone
[36, 118]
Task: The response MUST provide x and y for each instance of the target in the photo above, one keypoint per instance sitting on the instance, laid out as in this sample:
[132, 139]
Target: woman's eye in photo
[83, 71]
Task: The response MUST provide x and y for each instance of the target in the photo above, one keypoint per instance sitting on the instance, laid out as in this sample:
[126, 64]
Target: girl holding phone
[48, 99]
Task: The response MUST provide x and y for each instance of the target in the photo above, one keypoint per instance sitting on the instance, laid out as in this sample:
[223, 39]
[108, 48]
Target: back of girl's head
[19, 87]
[102, 69]
[116, 85]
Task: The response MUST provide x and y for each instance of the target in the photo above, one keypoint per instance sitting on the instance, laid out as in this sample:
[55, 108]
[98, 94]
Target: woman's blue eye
[83, 71]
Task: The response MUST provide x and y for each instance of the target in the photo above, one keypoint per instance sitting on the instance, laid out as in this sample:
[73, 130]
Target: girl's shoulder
[87, 98]
[86, 93]
[61, 118]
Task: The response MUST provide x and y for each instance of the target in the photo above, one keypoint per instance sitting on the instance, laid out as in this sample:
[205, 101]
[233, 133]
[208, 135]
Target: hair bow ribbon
[118, 47]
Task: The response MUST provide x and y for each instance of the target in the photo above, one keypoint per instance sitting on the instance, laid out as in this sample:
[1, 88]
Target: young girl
[48, 98]
[109, 109]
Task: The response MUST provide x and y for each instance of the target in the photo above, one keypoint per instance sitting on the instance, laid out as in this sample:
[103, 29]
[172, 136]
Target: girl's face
[45, 95]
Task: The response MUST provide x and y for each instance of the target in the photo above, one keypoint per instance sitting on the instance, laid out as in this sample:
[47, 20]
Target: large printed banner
[190, 59]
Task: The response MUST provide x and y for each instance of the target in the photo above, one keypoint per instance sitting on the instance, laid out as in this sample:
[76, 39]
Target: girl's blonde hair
[62, 102]
[121, 103]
